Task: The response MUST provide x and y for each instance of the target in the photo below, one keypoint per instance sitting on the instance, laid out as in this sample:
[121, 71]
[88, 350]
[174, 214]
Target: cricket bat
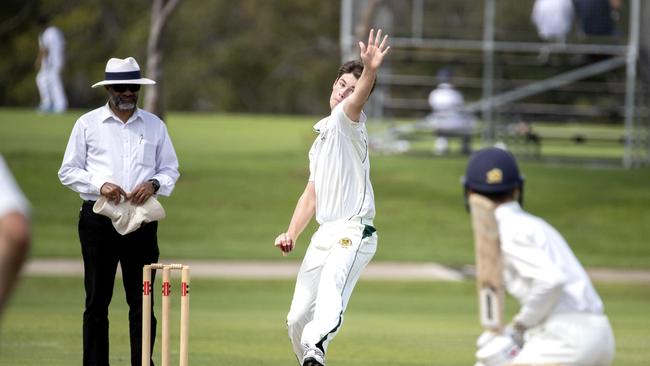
[489, 266]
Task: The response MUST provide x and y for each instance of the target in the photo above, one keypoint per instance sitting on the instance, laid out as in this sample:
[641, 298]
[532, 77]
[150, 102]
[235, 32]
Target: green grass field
[241, 177]
[242, 174]
[241, 323]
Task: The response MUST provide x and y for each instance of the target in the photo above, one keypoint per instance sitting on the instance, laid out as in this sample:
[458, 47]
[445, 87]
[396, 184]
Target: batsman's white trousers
[569, 339]
[337, 254]
[50, 87]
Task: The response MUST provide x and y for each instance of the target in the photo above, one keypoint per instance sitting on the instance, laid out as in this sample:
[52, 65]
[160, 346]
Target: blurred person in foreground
[49, 63]
[561, 320]
[340, 194]
[15, 235]
[120, 153]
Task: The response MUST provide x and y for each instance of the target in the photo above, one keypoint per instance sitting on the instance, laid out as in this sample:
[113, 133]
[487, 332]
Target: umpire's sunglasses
[121, 88]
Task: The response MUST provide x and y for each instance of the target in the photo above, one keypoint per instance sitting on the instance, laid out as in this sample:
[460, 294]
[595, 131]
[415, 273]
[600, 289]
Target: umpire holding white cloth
[122, 153]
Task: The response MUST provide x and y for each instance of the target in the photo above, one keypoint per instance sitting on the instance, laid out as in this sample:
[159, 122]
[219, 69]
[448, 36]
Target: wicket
[146, 312]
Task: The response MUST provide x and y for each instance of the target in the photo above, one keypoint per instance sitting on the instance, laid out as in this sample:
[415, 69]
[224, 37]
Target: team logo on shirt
[494, 176]
[345, 242]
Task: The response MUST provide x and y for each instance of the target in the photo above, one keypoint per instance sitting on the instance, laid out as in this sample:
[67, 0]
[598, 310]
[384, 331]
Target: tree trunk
[154, 98]
[644, 44]
[362, 27]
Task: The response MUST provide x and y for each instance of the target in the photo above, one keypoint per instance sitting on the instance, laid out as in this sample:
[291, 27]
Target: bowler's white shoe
[313, 357]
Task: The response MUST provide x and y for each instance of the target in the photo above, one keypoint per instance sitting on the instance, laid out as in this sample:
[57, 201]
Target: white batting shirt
[11, 197]
[540, 270]
[103, 149]
[339, 166]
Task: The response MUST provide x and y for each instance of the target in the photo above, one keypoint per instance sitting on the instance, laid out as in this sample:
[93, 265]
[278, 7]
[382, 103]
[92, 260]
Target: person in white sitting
[447, 117]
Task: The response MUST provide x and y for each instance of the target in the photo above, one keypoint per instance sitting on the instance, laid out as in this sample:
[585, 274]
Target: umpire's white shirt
[339, 166]
[103, 149]
[11, 197]
[540, 270]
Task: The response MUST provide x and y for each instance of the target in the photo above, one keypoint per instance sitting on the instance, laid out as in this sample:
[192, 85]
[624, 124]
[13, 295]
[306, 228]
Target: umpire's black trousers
[102, 248]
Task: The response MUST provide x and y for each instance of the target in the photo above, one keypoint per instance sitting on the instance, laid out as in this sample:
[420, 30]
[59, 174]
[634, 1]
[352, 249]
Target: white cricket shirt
[11, 197]
[339, 166]
[52, 39]
[104, 149]
[540, 270]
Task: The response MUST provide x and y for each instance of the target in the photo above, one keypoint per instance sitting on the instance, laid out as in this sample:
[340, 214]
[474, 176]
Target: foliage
[224, 55]
[95, 30]
[271, 56]
[246, 56]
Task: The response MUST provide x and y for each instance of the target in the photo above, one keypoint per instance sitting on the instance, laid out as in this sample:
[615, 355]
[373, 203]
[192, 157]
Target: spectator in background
[553, 19]
[598, 17]
[15, 235]
[49, 64]
[447, 117]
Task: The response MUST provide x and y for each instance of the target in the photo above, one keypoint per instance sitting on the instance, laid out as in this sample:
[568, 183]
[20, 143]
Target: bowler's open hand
[373, 54]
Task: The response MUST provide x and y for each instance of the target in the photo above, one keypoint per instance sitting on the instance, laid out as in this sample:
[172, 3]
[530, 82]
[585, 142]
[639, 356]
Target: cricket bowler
[340, 194]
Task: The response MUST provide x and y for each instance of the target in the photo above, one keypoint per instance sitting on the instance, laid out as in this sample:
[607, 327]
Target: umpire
[123, 153]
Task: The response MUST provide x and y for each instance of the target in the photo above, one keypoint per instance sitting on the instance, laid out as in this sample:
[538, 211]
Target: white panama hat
[123, 71]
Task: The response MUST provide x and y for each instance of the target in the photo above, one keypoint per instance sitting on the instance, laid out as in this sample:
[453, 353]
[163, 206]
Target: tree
[365, 21]
[160, 12]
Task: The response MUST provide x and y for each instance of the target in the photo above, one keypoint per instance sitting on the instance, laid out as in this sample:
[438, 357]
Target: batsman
[561, 319]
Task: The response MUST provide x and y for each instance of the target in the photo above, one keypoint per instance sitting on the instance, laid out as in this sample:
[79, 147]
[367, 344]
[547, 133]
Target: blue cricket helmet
[492, 170]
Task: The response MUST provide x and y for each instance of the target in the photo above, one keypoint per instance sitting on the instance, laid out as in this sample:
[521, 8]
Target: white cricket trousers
[337, 254]
[569, 339]
[50, 87]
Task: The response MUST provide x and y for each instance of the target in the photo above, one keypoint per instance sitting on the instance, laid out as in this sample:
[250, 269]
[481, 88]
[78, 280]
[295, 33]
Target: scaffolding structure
[610, 57]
